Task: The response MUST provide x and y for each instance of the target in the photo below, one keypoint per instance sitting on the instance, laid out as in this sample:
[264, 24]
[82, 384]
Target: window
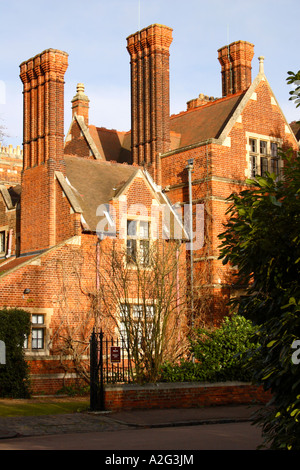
[263, 166]
[274, 166]
[2, 241]
[253, 145]
[253, 165]
[137, 319]
[138, 242]
[36, 340]
[263, 157]
[263, 147]
[274, 149]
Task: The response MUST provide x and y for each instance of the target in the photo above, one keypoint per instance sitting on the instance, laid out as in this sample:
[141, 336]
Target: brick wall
[187, 395]
[68, 222]
[76, 143]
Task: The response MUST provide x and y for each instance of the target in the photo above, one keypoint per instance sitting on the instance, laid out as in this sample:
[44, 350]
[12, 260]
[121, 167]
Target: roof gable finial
[261, 64]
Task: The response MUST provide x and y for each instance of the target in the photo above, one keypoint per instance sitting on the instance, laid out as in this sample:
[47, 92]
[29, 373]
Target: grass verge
[10, 408]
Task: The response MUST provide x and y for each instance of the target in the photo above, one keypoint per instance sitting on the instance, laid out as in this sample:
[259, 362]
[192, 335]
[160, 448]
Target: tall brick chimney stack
[80, 103]
[43, 146]
[235, 60]
[150, 95]
[43, 84]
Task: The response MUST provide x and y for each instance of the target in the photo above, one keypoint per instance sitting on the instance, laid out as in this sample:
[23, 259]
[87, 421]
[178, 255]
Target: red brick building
[11, 164]
[51, 224]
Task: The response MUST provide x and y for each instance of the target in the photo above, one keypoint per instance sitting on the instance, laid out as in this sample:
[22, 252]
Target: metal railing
[109, 363]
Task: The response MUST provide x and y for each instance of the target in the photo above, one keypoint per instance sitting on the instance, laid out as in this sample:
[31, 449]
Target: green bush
[14, 375]
[219, 354]
[185, 371]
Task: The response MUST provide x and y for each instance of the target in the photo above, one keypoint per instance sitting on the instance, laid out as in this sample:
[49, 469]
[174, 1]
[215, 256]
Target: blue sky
[94, 34]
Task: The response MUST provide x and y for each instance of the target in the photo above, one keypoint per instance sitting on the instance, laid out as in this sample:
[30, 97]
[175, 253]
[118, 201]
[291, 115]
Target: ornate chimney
[150, 95]
[43, 144]
[235, 60]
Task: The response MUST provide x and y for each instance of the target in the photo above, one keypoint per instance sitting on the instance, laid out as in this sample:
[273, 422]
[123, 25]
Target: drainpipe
[230, 72]
[97, 274]
[190, 167]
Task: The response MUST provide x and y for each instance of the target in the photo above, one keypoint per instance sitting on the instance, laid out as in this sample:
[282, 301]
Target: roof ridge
[209, 104]
[108, 130]
[104, 162]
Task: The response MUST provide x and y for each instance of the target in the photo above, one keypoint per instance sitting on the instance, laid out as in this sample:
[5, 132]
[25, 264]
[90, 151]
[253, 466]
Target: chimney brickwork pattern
[43, 98]
[235, 60]
[43, 146]
[150, 96]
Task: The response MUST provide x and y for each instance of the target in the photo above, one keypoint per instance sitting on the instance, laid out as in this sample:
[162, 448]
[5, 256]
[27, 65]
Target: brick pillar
[43, 146]
[150, 96]
[235, 61]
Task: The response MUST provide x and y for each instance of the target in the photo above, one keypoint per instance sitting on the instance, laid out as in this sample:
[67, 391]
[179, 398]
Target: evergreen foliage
[14, 376]
[262, 238]
[219, 354]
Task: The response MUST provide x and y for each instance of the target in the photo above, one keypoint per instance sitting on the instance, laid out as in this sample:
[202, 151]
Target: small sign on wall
[2, 352]
[115, 354]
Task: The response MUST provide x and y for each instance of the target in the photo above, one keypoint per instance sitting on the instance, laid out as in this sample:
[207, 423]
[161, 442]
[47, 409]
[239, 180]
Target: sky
[94, 34]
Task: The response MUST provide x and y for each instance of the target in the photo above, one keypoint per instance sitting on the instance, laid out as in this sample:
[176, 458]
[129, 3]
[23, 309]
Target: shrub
[221, 350]
[14, 376]
[185, 371]
[220, 354]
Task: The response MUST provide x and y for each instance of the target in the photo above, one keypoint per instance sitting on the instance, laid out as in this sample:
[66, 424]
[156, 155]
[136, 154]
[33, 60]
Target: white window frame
[36, 340]
[40, 318]
[262, 153]
[136, 240]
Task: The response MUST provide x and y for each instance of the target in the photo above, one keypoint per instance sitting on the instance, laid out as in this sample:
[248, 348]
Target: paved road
[228, 436]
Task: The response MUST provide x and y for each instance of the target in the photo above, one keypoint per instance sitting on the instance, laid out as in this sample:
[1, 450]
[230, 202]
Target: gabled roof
[11, 195]
[186, 128]
[105, 144]
[13, 263]
[215, 119]
[95, 182]
[111, 144]
[89, 184]
[86, 132]
[260, 77]
[204, 122]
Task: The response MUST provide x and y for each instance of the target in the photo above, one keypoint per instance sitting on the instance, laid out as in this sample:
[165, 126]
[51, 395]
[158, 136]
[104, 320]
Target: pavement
[82, 422]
